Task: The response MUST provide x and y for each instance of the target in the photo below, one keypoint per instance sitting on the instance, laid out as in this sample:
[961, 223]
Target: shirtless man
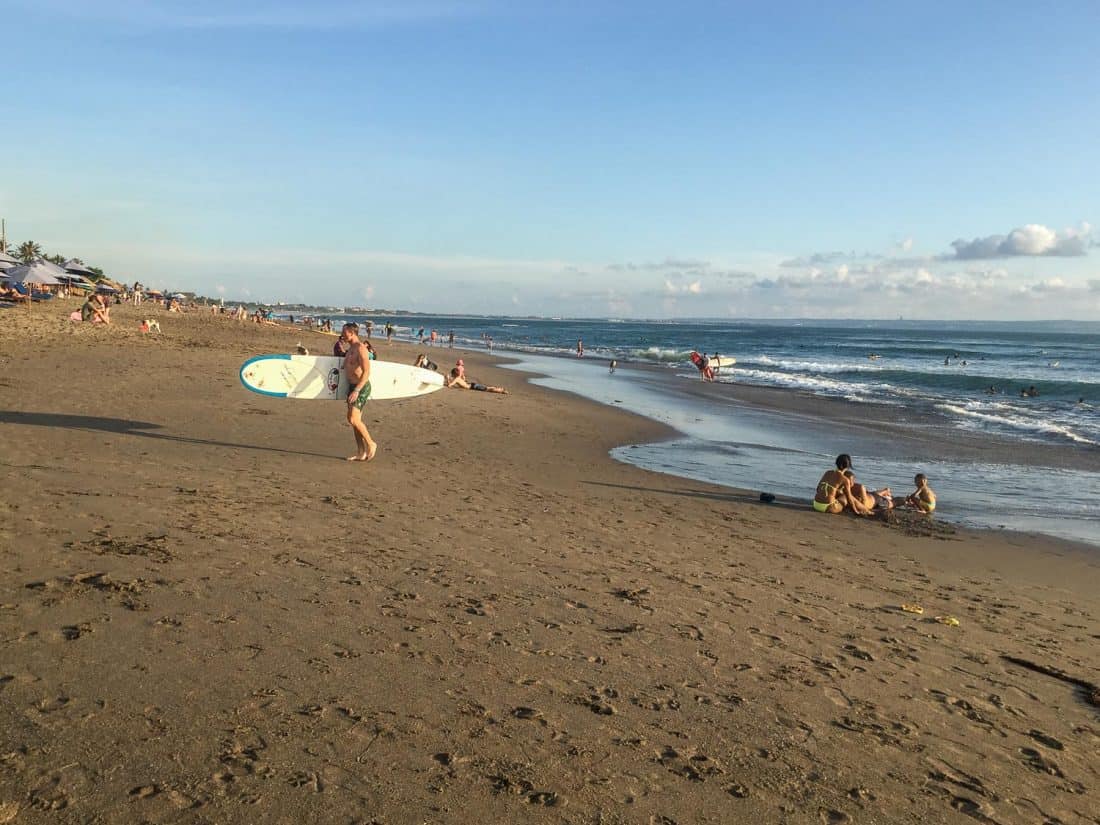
[357, 367]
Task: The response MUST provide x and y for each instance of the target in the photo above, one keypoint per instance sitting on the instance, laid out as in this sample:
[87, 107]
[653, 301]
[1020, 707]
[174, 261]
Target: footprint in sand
[695, 767]
[1037, 762]
[1044, 739]
[527, 713]
[858, 653]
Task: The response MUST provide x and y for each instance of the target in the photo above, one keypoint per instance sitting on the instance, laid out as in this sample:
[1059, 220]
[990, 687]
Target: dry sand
[208, 616]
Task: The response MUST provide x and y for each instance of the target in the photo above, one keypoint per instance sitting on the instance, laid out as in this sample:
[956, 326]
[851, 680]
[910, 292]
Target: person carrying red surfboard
[702, 363]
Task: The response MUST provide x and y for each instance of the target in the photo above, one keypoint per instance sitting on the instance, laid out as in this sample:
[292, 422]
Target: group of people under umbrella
[44, 273]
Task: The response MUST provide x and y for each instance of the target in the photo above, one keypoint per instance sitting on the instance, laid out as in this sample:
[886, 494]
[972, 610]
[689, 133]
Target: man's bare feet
[370, 453]
[358, 457]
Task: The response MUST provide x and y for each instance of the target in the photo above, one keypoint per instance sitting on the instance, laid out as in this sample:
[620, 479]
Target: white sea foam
[797, 365]
[1016, 422]
[660, 354]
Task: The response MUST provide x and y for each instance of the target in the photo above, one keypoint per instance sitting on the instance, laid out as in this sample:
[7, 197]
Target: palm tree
[28, 251]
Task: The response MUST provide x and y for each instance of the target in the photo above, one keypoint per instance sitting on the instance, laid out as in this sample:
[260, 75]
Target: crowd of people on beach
[839, 492]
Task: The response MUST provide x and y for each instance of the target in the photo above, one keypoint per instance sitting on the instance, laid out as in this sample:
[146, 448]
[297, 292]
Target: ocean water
[978, 388]
[969, 375]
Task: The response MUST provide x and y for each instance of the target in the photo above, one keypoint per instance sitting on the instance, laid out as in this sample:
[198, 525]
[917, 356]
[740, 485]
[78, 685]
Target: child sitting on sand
[923, 498]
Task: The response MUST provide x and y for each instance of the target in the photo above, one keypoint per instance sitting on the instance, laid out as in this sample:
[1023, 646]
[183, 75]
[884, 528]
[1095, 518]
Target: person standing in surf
[357, 367]
[580, 348]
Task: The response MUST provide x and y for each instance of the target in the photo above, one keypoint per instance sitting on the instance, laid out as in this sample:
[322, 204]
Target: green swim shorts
[361, 399]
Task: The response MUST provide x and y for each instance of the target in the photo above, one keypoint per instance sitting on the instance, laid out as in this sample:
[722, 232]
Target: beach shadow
[125, 426]
[740, 498]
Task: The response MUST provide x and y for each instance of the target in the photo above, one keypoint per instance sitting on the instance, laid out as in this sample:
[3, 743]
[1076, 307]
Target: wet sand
[209, 616]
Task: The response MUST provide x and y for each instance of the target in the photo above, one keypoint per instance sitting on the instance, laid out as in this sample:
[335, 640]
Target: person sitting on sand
[423, 362]
[95, 310]
[834, 490]
[923, 498]
[456, 381]
[872, 499]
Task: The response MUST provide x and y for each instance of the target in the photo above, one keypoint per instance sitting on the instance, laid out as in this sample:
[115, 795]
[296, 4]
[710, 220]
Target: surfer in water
[357, 366]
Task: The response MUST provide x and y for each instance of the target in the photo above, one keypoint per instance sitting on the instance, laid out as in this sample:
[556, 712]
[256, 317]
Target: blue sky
[642, 159]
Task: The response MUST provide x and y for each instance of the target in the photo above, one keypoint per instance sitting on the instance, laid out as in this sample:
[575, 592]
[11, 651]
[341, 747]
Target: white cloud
[690, 288]
[660, 266]
[1031, 240]
[1050, 285]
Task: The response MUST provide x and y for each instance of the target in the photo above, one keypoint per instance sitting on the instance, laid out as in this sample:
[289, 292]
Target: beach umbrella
[72, 279]
[78, 268]
[5, 265]
[38, 272]
[5, 258]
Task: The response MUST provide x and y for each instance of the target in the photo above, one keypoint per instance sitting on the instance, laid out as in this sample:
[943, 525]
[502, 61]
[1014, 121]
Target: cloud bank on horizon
[822, 284]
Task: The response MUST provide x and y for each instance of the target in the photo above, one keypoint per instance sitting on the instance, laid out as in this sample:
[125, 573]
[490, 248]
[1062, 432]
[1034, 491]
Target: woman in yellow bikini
[834, 491]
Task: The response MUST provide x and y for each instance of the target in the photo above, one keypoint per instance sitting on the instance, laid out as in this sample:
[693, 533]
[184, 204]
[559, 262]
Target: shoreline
[211, 615]
[901, 436]
[787, 441]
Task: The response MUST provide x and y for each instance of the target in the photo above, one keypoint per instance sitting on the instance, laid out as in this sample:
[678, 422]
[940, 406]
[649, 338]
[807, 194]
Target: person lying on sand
[834, 491]
[423, 362]
[12, 294]
[456, 381]
[875, 500]
[923, 498]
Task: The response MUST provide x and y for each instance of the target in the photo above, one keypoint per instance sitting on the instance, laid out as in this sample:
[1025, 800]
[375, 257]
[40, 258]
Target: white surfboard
[322, 378]
[722, 361]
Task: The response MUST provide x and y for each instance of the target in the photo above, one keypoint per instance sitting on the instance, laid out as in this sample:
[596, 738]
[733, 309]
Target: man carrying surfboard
[357, 368]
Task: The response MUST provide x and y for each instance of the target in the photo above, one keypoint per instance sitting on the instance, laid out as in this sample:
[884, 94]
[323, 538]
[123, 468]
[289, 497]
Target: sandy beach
[209, 616]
